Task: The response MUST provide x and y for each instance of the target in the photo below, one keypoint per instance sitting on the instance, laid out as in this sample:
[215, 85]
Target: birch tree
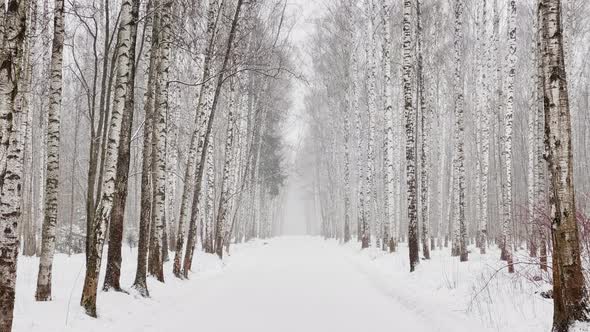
[532, 150]
[193, 163]
[156, 259]
[104, 210]
[361, 218]
[224, 200]
[508, 119]
[43, 292]
[541, 169]
[172, 130]
[570, 296]
[370, 196]
[347, 142]
[460, 239]
[485, 132]
[113, 271]
[210, 201]
[347, 186]
[13, 20]
[145, 218]
[424, 132]
[411, 153]
[29, 240]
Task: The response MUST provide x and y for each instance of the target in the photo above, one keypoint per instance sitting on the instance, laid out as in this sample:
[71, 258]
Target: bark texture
[570, 296]
[113, 271]
[13, 26]
[508, 124]
[411, 153]
[156, 262]
[460, 240]
[102, 216]
[43, 292]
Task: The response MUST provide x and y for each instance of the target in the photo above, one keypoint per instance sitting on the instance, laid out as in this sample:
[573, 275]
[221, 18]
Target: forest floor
[297, 284]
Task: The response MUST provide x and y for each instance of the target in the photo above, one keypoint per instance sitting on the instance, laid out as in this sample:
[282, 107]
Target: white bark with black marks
[43, 292]
[12, 35]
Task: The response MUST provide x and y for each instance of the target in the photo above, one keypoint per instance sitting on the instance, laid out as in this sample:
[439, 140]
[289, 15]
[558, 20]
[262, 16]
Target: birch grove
[467, 174]
[418, 135]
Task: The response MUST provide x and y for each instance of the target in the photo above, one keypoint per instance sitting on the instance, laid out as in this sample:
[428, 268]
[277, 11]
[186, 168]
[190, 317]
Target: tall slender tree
[224, 200]
[43, 292]
[145, 215]
[484, 117]
[104, 210]
[361, 217]
[156, 260]
[113, 271]
[570, 296]
[541, 172]
[371, 217]
[411, 153]
[389, 128]
[459, 153]
[13, 18]
[195, 149]
[508, 124]
[424, 132]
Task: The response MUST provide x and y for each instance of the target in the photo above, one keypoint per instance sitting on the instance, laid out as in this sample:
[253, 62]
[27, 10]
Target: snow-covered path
[295, 284]
[291, 285]
[284, 284]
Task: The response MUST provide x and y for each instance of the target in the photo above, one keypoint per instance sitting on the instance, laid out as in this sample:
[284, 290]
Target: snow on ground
[448, 291]
[295, 284]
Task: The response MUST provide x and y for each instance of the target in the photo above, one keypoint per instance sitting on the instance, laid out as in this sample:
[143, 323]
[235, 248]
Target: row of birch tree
[452, 124]
[149, 123]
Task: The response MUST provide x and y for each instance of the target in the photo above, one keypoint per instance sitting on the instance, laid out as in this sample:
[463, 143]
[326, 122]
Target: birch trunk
[28, 233]
[390, 142]
[103, 212]
[371, 217]
[485, 135]
[459, 166]
[424, 133]
[239, 168]
[570, 296]
[113, 271]
[145, 214]
[359, 148]
[540, 151]
[172, 129]
[155, 266]
[226, 183]
[532, 149]
[347, 188]
[208, 240]
[347, 134]
[477, 134]
[410, 115]
[97, 139]
[43, 292]
[508, 120]
[12, 33]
